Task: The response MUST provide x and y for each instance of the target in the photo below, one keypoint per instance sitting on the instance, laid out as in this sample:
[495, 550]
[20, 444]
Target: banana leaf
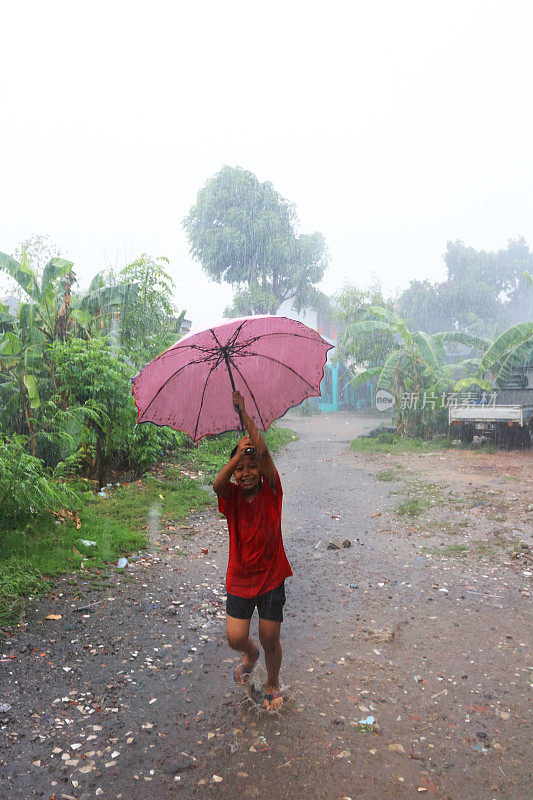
[389, 368]
[394, 322]
[30, 382]
[426, 351]
[509, 340]
[56, 268]
[22, 274]
[367, 375]
[465, 383]
[458, 337]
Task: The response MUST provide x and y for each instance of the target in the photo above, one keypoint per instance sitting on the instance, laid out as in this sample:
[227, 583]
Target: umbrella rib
[233, 338]
[232, 341]
[208, 350]
[276, 361]
[213, 334]
[189, 364]
[202, 400]
[251, 393]
[236, 333]
[290, 334]
[171, 350]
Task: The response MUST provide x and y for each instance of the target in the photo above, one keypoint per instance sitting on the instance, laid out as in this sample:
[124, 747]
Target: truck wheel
[466, 434]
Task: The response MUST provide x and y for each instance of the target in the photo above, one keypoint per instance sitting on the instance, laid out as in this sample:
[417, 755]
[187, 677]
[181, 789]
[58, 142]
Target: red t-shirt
[257, 561]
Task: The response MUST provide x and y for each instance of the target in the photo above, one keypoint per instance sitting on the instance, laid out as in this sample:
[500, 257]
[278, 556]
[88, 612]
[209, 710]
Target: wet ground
[422, 625]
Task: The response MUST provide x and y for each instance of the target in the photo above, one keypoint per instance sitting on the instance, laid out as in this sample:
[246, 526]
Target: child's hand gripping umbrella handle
[237, 404]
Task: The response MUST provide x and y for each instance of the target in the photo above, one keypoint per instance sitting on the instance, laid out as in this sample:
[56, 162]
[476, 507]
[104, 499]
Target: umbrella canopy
[274, 362]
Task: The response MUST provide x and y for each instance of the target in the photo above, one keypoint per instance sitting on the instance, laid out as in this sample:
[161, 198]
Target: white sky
[393, 127]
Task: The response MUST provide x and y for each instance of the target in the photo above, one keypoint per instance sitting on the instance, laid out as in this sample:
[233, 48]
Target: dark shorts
[269, 605]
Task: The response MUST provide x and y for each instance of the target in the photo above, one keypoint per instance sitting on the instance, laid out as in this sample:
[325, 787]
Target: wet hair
[250, 451]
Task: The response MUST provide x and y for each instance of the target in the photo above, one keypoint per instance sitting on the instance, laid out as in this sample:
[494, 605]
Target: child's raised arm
[220, 484]
[264, 459]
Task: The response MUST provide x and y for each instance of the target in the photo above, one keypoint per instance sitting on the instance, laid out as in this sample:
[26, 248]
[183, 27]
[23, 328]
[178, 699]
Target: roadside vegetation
[396, 443]
[80, 484]
[99, 528]
[439, 345]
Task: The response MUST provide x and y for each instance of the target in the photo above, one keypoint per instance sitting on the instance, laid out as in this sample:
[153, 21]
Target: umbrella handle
[233, 388]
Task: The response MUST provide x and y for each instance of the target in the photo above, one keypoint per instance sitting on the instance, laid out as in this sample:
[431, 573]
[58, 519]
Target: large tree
[243, 232]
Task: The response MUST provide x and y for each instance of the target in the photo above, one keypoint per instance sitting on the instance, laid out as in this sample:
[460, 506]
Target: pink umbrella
[275, 363]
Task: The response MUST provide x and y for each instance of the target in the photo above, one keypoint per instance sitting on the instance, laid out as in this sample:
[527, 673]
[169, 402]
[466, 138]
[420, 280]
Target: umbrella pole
[226, 359]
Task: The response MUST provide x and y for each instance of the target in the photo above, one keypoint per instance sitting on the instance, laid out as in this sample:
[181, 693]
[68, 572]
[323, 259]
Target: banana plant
[20, 362]
[40, 319]
[415, 364]
[7, 320]
[47, 310]
[416, 358]
[100, 305]
[507, 352]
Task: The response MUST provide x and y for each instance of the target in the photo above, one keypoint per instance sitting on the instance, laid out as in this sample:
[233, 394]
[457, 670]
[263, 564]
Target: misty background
[393, 128]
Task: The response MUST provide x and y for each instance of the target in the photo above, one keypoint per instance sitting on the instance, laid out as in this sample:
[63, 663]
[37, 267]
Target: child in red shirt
[257, 565]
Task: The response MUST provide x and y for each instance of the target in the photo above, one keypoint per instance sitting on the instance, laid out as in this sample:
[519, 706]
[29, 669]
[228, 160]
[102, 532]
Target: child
[257, 565]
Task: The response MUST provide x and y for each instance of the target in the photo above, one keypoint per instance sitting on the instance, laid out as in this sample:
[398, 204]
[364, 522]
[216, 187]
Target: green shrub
[27, 490]
[96, 374]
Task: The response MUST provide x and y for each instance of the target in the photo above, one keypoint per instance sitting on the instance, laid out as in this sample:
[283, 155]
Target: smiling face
[247, 475]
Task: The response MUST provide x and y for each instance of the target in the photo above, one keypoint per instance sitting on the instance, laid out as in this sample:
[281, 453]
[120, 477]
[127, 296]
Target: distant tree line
[484, 292]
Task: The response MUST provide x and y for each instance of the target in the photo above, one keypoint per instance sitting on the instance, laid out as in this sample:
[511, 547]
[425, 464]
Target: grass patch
[484, 549]
[481, 447]
[419, 497]
[387, 475]
[391, 443]
[449, 550]
[30, 559]
[126, 515]
[477, 547]
[412, 507]
[451, 528]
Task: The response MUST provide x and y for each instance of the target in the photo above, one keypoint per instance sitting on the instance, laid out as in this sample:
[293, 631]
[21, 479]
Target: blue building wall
[329, 388]
[337, 393]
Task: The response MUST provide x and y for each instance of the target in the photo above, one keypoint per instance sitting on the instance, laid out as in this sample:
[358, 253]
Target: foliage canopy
[243, 232]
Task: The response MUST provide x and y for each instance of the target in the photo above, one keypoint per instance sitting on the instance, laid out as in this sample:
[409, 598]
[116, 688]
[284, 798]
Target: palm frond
[509, 340]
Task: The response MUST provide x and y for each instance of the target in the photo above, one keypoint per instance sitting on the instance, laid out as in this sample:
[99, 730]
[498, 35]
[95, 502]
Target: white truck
[504, 415]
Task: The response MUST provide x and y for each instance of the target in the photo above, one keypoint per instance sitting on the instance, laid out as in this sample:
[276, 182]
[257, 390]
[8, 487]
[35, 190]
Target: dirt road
[422, 624]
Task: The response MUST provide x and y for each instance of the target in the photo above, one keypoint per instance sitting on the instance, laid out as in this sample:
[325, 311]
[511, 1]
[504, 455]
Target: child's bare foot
[272, 699]
[244, 669]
